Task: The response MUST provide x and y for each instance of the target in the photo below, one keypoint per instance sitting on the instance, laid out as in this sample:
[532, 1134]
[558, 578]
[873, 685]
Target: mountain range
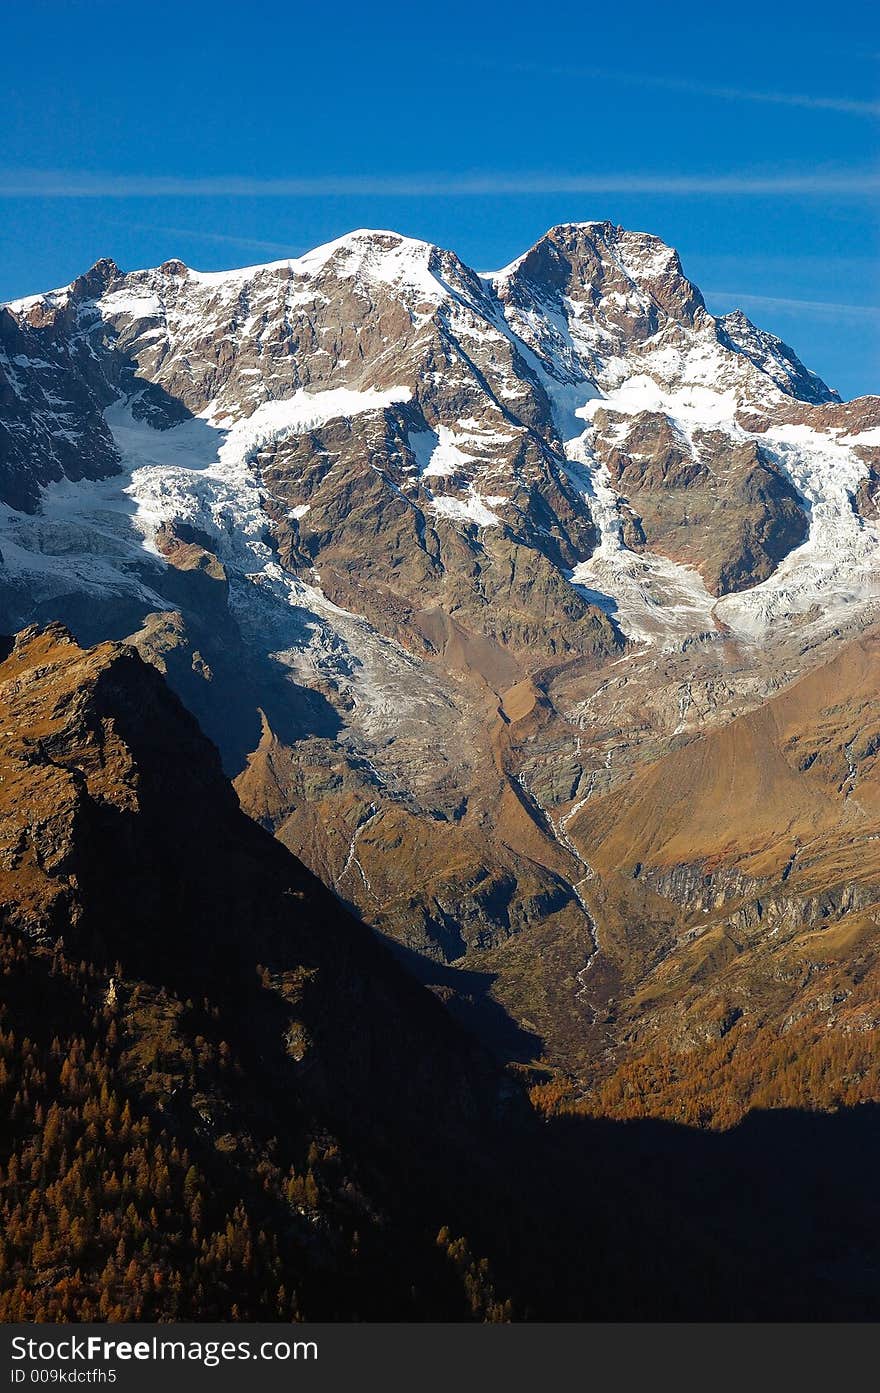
[535, 614]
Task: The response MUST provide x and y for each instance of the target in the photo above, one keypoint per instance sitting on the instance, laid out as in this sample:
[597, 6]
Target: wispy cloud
[809, 183]
[730, 268]
[226, 238]
[777, 302]
[811, 101]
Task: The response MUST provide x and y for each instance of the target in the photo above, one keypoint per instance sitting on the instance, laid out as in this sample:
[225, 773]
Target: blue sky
[228, 134]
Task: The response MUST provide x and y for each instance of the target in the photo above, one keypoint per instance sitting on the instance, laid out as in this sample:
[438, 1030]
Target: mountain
[739, 881]
[256, 1054]
[452, 566]
[224, 1100]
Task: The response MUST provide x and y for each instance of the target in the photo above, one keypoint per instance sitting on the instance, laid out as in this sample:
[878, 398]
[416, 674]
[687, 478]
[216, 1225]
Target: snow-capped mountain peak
[580, 408]
[410, 514]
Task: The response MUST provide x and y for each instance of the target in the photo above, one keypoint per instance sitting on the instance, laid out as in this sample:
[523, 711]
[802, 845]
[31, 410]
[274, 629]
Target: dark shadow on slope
[222, 682]
[229, 687]
[92, 619]
[778, 1219]
[467, 996]
[580, 1219]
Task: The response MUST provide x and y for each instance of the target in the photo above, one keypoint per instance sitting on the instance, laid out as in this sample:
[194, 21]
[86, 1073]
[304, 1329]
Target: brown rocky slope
[222, 1099]
[738, 879]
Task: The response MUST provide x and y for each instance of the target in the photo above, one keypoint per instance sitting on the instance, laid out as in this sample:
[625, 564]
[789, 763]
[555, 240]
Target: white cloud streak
[810, 183]
[809, 101]
[226, 238]
[844, 105]
[776, 302]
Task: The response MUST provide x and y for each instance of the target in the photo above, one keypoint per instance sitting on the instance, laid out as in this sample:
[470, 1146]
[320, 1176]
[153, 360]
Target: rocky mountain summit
[445, 562]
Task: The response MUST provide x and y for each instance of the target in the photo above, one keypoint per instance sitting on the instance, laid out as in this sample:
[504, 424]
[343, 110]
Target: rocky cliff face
[441, 560]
